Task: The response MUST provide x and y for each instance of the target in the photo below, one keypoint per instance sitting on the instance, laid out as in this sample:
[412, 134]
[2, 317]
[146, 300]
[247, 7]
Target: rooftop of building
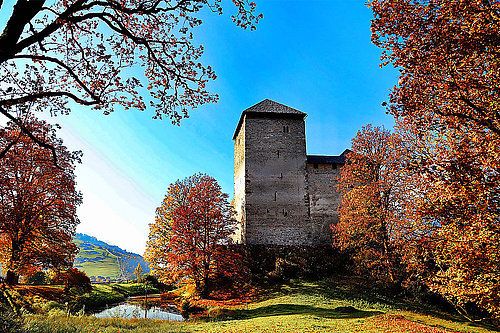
[328, 159]
[268, 108]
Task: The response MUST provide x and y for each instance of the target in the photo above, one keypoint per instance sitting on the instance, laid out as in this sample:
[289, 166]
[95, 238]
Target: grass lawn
[337, 305]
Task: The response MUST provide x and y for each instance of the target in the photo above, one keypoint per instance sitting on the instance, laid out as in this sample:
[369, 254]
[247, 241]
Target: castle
[282, 196]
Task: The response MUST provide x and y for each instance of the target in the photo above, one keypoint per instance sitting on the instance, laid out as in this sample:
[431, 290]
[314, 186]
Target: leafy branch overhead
[80, 50]
[447, 53]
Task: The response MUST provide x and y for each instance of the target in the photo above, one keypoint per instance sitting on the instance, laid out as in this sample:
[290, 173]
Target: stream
[129, 310]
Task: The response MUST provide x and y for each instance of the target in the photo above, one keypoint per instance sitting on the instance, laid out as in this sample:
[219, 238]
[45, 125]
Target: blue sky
[312, 55]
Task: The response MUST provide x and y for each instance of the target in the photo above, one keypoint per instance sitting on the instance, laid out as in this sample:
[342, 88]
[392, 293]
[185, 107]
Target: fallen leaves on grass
[396, 323]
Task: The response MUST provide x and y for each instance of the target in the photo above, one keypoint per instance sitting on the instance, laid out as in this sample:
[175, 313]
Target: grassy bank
[102, 295]
[46, 299]
[326, 306]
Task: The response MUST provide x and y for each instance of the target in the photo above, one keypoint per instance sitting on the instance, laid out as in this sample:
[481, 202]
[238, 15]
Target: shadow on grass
[295, 309]
[356, 289]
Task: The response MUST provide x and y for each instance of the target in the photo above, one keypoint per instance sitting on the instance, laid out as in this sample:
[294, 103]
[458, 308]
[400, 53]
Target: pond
[134, 311]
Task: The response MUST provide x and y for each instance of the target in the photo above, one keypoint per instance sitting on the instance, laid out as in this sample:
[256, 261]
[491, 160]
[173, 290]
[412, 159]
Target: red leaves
[447, 109]
[366, 210]
[88, 48]
[445, 51]
[39, 200]
[189, 237]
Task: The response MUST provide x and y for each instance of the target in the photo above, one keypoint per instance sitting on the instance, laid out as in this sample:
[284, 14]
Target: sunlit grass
[325, 306]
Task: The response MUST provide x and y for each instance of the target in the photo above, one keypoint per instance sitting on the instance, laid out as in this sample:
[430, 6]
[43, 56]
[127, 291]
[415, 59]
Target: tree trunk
[12, 278]
[204, 291]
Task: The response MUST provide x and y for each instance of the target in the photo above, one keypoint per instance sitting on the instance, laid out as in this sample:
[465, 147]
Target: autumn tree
[368, 207]
[452, 240]
[82, 51]
[187, 242]
[138, 271]
[38, 202]
[447, 103]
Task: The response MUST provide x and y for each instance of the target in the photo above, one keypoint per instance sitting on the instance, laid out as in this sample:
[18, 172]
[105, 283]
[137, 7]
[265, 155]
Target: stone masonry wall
[275, 189]
[323, 199]
[238, 202]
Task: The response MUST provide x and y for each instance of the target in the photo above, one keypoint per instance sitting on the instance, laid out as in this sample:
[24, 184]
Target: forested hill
[102, 261]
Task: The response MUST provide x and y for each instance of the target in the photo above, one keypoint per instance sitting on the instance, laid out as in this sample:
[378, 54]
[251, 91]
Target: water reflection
[133, 311]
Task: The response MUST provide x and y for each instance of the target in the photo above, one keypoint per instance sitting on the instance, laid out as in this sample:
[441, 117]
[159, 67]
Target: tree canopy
[368, 212]
[81, 50]
[447, 54]
[38, 202]
[187, 242]
[446, 106]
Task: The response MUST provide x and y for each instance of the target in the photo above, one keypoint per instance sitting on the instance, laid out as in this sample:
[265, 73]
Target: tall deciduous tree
[79, 51]
[187, 242]
[367, 209]
[448, 101]
[454, 235]
[38, 202]
[138, 271]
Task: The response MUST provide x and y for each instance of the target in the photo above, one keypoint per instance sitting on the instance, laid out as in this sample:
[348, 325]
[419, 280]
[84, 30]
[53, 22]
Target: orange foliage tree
[368, 208]
[447, 105]
[83, 51]
[38, 202]
[188, 240]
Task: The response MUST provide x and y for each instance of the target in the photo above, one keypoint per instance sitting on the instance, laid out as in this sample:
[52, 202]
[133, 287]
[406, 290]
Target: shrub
[9, 322]
[57, 313]
[53, 305]
[36, 279]
[217, 313]
[72, 278]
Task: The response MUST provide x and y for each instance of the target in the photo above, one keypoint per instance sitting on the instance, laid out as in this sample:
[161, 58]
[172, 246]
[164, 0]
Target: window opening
[275, 195]
[315, 165]
[334, 166]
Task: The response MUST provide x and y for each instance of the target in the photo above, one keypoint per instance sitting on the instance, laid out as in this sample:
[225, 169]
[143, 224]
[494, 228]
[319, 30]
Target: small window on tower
[315, 166]
[275, 195]
[278, 153]
[334, 166]
[285, 129]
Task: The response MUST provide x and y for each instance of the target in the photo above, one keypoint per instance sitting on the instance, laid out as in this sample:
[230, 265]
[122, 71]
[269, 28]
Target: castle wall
[281, 195]
[275, 189]
[238, 202]
[323, 199]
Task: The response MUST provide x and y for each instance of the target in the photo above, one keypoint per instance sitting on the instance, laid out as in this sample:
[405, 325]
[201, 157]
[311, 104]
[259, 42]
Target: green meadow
[335, 305]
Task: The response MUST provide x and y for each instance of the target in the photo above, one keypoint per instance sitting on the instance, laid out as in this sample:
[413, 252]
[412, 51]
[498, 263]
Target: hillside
[102, 261]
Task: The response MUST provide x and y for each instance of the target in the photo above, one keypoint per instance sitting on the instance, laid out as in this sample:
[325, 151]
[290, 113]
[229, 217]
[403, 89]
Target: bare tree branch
[47, 94]
[66, 67]
[11, 144]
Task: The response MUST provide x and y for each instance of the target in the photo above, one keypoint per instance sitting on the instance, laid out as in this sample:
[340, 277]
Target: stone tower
[270, 186]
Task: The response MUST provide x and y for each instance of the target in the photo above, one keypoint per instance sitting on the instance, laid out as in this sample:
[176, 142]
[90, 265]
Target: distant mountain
[102, 261]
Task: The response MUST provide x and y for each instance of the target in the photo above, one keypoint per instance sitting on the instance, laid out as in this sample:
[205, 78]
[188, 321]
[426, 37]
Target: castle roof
[325, 159]
[268, 108]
